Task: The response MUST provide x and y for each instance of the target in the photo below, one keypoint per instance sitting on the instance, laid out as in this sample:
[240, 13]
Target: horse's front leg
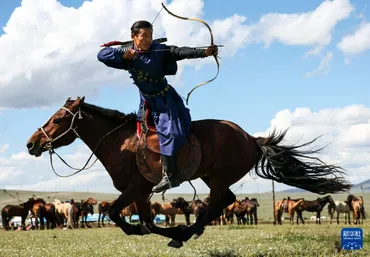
[219, 199]
[127, 197]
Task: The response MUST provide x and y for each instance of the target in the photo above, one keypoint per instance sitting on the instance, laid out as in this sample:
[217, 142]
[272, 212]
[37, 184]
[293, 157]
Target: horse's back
[227, 139]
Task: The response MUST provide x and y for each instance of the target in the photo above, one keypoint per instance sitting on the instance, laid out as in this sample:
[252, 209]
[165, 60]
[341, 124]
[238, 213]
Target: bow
[214, 55]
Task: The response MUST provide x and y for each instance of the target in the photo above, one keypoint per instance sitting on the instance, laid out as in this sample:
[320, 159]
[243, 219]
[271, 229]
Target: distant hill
[357, 188]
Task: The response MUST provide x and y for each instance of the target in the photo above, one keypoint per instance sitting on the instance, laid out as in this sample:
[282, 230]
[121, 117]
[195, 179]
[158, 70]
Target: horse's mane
[116, 115]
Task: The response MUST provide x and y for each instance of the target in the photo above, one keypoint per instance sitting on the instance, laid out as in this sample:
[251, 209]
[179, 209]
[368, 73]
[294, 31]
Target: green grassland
[260, 240]
[265, 239]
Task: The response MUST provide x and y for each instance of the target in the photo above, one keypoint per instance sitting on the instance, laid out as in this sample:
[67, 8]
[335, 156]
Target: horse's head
[91, 201]
[58, 131]
[255, 201]
[39, 200]
[180, 202]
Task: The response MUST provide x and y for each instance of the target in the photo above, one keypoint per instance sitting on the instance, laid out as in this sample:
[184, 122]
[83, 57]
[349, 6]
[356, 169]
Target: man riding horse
[148, 63]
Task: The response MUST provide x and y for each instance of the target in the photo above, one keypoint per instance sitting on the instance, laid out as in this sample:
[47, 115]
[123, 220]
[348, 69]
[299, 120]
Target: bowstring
[157, 15]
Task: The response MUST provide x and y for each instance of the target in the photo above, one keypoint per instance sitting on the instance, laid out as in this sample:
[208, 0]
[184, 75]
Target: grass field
[264, 239]
[260, 240]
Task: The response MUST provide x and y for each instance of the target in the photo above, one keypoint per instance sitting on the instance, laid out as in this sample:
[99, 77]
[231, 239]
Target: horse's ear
[82, 99]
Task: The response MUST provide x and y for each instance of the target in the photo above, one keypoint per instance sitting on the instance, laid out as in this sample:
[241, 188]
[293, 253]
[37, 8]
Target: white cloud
[357, 42]
[323, 67]
[3, 148]
[59, 56]
[346, 130]
[24, 172]
[310, 28]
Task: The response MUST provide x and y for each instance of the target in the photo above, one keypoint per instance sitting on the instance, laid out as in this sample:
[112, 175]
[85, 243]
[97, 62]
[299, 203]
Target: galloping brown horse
[228, 153]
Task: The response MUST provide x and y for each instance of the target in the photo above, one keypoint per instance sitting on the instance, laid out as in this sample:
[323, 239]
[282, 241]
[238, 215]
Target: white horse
[340, 207]
[64, 210]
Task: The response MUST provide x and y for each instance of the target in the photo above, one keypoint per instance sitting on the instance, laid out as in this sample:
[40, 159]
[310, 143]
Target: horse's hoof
[175, 244]
[144, 230]
[197, 235]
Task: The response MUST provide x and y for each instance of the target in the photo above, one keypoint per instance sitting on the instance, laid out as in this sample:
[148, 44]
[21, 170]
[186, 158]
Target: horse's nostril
[30, 145]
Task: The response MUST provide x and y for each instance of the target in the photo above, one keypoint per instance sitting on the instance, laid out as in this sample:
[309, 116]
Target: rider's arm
[180, 53]
[113, 57]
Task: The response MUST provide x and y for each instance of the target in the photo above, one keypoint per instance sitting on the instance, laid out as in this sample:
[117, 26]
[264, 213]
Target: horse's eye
[57, 120]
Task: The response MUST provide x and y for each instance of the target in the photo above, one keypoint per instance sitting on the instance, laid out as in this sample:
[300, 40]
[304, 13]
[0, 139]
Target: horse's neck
[100, 127]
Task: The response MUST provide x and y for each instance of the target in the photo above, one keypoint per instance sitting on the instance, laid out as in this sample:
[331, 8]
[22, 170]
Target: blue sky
[265, 75]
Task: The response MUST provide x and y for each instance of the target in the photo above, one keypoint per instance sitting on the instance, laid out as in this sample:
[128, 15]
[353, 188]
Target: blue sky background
[255, 83]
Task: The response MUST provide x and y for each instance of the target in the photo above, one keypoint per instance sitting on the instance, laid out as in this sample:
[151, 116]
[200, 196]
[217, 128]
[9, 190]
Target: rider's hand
[212, 50]
[129, 54]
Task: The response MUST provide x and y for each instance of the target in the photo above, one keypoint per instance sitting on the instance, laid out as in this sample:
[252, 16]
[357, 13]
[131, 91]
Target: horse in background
[357, 207]
[183, 207]
[315, 206]
[339, 207]
[128, 211]
[9, 211]
[290, 206]
[50, 216]
[229, 212]
[64, 211]
[38, 213]
[248, 207]
[103, 209]
[196, 207]
[167, 209]
[82, 209]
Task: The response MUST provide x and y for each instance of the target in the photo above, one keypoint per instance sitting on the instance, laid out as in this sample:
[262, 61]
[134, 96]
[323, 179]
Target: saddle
[148, 159]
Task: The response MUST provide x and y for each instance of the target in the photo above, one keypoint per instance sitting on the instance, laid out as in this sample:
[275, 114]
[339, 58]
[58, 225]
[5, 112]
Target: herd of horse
[67, 214]
[352, 204]
[55, 214]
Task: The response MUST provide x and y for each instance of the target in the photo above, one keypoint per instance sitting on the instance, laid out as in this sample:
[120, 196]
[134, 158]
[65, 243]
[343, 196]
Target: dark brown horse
[103, 209]
[10, 211]
[247, 207]
[228, 153]
[81, 210]
[314, 206]
[184, 207]
[50, 216]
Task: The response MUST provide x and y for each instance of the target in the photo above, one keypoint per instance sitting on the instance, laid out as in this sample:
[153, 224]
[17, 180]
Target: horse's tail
[330, 209]
[4, 218]
[280, 163]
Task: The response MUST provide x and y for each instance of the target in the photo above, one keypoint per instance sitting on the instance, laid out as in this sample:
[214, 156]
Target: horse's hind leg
[220, 198]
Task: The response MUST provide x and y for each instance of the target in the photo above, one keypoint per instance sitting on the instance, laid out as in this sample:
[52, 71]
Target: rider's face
[143, 40]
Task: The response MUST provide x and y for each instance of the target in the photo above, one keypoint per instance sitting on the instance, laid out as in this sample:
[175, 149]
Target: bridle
[50, 140]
